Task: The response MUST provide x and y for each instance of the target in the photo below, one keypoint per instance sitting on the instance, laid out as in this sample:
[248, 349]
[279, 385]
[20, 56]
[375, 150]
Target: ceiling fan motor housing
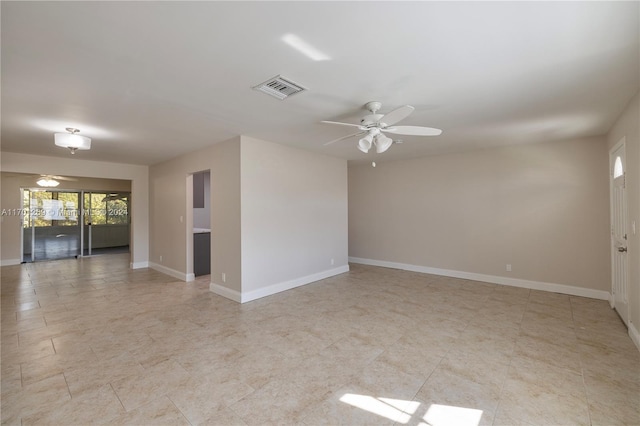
[370, 119]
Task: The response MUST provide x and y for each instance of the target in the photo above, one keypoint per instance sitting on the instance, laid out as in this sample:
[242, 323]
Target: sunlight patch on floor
[383, 407]
[402, 411]
[449, 415]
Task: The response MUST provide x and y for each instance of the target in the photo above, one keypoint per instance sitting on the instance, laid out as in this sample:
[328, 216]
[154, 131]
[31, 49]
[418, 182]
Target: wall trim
[138, 265]
[190, 277]
[9, 262]
[494, 279]
[168, 271]
[635, 336]
[288, 285]
[225, 292]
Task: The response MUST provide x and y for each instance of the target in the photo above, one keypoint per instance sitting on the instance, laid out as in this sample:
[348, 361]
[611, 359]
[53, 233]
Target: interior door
[619, 256]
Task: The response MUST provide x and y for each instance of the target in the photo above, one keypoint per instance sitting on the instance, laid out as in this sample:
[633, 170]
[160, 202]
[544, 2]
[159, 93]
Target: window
[617, 168]
[50, 208]
[106, 208]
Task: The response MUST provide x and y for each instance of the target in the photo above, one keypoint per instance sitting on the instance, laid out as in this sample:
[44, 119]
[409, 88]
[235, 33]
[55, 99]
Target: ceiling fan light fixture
[48, 182]
[383, 143]
[72, 140]
[364, 144]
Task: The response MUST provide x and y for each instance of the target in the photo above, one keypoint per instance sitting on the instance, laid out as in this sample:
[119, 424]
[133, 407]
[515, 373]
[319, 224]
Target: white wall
[74, 166]
[294, 217]
[628, 127]
[278, 216]
[541, 208]
[171, 239]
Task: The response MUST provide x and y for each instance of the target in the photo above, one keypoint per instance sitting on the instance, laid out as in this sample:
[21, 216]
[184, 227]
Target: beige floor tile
[540, 393]
[355, 349]
[385, 380]
[466, 381]
[372, 346]
[613, 400]
[160, 411]
[278, 402]
[563, 356]
[412, 358]
[27, 351]
[86, 378]
[98, 406]
[11, 378]
[156, 381]
[204, 397]
[352, 405]
[45, 394]
[320, 375]
[223, 416]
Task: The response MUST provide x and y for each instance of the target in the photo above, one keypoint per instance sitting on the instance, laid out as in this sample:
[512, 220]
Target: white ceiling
[148, 81]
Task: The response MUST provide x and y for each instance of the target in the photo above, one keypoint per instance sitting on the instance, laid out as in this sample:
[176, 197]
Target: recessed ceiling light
[305, 48]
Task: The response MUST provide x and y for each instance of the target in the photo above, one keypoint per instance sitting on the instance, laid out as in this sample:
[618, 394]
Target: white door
[619, 257]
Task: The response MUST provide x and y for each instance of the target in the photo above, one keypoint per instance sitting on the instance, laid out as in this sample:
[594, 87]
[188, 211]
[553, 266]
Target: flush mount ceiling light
[72, 140]
[47, 182]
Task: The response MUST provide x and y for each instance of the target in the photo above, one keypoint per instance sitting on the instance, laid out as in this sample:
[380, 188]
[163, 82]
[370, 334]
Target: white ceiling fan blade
[57, 177]
[341, 124]
[397, 114]
[413, 131]
[345, 137]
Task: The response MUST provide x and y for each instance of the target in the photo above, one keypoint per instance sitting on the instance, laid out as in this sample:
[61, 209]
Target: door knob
[622, 249]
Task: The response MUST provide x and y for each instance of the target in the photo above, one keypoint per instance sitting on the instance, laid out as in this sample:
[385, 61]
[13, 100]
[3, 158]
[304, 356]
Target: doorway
[60, 224]
[199, 234]
[106, 222]
[51, 226]
[619, 256]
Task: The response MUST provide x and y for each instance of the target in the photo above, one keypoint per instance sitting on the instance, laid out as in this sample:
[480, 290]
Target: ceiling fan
[375, 125]
[51, 180]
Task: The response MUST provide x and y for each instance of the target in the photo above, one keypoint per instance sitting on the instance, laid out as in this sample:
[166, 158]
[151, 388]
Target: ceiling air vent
[279, 87]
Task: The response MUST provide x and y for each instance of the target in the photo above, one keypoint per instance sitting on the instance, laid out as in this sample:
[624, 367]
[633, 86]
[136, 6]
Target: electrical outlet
[333, 261]
[224, 277]
[508, 267]
[160, 258]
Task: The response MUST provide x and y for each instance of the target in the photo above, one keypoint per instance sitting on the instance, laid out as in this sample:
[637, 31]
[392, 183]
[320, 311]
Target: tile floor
[90, 341]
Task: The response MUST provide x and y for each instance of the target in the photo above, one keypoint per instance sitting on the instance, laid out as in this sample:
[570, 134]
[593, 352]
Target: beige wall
[542, 208]
[294, 214]
[73, 166]
[627, 127]
[170, 197]
[278, 216]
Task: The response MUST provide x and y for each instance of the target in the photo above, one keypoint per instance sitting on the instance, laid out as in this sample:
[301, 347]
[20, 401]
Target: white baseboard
[242, 297]
[635, 336]
[9, 262]
[191, 277]
[139, 265]
[225, 292]
[168, 271]
[288, 285]
[494, 279]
